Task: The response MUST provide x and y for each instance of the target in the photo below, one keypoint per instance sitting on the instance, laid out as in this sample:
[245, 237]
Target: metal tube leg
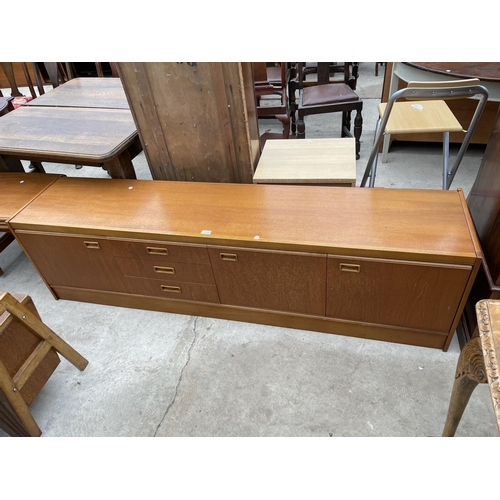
[385, 147]
[446, 158]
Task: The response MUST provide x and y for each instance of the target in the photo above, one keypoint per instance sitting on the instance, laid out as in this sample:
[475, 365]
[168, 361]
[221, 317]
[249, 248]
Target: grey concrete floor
[159, 374]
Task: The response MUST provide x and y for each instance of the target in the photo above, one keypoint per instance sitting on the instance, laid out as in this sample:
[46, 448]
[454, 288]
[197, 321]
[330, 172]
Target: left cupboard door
[73, 260]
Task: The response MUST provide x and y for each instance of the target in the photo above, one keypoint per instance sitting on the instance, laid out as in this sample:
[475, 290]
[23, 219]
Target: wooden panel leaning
[28, 356]
[196, 121]
[478, 363]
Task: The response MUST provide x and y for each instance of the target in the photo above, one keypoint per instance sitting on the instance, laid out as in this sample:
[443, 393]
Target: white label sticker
[206, 231]
[418, 107]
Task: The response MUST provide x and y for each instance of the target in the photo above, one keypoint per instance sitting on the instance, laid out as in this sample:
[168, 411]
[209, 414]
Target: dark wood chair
[322, 95]
[273, 81]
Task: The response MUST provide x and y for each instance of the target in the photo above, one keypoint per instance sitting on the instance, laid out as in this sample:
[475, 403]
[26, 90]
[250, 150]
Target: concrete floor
[159, 374]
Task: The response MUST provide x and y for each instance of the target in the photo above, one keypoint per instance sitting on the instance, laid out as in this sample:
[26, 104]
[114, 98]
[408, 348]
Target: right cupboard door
[415, 295]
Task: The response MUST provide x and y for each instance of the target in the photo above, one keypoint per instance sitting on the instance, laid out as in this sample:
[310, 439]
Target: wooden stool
[28, 357]
[478, 363]
[325, 162]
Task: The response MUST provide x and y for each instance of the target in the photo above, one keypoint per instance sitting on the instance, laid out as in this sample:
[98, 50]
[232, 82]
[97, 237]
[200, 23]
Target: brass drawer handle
[350, 268]
[157, 251]
[92, 245]
[164, 270]
[232, 257]
[169, 288]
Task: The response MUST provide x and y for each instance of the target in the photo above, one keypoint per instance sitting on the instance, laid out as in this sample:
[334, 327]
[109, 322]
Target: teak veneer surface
[18, 189]
[423, 225]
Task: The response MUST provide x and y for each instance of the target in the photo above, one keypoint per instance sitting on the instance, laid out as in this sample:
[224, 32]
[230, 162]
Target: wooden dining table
[85, 121]
[85, 93]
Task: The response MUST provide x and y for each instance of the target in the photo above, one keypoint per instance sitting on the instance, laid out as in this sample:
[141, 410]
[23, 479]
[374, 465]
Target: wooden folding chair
[28, 357]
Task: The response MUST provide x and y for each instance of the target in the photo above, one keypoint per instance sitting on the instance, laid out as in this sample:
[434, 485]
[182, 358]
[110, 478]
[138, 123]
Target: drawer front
[403, 294]
[176, 290]
[160, 270]
[271, 280]
[160, 251]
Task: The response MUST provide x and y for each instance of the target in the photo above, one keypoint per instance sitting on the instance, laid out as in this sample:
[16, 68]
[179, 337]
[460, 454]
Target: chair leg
[301, 128]
[385, 147]
[358, 128]
[446, 158]
[371, 166]
[469, 373]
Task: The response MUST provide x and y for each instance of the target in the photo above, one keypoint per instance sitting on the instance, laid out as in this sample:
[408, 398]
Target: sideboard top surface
[19, 189]
[400, 223]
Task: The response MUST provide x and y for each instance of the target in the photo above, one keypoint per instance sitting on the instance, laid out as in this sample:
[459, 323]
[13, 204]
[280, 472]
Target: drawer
[160, 251]
[177, 290]
[159, 270]
[418, 295]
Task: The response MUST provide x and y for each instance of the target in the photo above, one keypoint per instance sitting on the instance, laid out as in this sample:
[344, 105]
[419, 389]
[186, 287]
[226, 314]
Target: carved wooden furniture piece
[478, 363]
[196, 121]
[83, 136]
[266, 84]
[326, 97]
[28, 356]
[386, 264]
[421, 108]
[16, 191]
[328, 162]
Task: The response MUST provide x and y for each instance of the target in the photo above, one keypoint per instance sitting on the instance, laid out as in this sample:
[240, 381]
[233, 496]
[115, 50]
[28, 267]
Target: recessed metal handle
[164, 270]
[157, 251]
[232, 257]
[94, 245]
[350, 268]
[172, 289]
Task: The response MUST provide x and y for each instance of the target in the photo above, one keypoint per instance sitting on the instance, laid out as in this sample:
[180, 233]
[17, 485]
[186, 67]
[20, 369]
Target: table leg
[8, 164]
[470, 372]
[121, 167]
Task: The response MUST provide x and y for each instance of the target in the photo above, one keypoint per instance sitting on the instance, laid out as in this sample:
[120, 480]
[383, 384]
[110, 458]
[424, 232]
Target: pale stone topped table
[326, 162]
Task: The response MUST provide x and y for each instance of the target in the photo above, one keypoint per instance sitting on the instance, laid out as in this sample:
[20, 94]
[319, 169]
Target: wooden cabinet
[387, 264]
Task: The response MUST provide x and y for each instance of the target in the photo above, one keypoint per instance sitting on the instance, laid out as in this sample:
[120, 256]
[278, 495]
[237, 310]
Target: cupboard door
[272, 280]
[417, 295]
[75, 261]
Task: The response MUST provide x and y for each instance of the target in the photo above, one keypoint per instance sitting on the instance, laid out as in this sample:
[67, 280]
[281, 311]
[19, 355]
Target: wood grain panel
[160, 270]
[193, 119]
[173, 290]
[68, 261]
[160, 251]
[270, 280]
[424, 225]
[408, 294]
[484, 203]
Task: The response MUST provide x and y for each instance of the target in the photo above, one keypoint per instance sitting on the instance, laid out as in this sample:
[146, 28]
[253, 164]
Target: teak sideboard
[388, 264]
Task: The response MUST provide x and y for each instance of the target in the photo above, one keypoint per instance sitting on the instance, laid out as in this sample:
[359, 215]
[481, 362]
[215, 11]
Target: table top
[485, 71]
[337, 220]
[66, 135]
[85, 93]
[304, 161]
[488, 320]
[18, 189]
